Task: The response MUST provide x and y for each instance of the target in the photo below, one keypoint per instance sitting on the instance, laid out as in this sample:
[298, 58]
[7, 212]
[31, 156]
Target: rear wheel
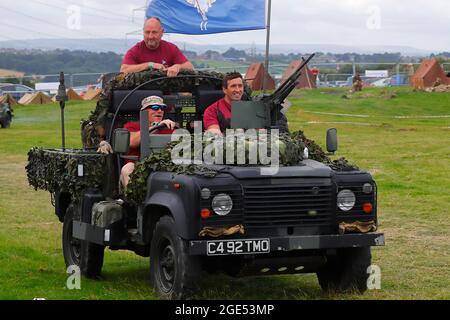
[347, 271]
[173, 272]
[6, 122]
[88, 256]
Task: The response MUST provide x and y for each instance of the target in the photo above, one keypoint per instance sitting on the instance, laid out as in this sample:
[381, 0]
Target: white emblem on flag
[202, 8]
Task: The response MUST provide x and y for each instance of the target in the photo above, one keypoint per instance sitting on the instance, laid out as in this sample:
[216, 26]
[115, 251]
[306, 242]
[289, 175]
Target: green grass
[409, 158]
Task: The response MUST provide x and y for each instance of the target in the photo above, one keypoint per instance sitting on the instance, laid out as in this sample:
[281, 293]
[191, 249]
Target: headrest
[133, 103]
[205, 98]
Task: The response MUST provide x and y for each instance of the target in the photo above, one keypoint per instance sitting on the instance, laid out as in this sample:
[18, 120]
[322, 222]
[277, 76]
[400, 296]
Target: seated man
[217, 117]
[155, 107]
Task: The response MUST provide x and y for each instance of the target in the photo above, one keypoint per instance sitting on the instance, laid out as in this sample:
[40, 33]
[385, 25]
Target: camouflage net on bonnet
[291, 149]
[57, 170]
[93, 129]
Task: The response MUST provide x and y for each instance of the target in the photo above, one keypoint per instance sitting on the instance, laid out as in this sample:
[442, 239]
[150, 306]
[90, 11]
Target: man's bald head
[153, 32]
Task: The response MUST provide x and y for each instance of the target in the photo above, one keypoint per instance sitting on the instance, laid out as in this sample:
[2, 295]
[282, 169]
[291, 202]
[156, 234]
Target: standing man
[155, 54]
[217, 117]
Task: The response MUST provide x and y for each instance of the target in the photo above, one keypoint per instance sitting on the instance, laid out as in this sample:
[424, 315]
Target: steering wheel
[160, 126]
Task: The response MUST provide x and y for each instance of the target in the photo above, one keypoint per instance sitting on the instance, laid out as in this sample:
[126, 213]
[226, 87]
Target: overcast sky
[423, 24]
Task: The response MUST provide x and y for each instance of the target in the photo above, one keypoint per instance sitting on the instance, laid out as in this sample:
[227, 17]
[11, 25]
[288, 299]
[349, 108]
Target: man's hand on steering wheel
[169, 124]
[165, 123]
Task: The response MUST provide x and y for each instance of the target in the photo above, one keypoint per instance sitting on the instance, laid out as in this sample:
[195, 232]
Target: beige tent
[92, 94]
[73, 95]
[306, 80]
[8, 99]
[35, 98]
[25, 98]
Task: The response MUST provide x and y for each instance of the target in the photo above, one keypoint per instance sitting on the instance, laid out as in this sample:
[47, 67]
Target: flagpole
[266, 63]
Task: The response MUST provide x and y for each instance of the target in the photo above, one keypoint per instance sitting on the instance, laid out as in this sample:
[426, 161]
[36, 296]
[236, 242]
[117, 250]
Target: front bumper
[199, 247]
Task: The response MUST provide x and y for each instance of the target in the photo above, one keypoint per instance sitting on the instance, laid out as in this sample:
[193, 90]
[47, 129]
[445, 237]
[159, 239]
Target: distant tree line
[53, 62]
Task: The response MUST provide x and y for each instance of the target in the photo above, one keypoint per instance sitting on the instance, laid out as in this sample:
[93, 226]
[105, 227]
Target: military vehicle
[5, 115]
[305, 218]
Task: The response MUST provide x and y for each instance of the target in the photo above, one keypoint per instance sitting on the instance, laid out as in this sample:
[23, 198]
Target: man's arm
[176, 68]
[135, 139]
[129, 68]
[214, 129]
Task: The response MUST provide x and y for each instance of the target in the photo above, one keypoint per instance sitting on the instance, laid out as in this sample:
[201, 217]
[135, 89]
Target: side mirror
[332, 143]
[121, 140]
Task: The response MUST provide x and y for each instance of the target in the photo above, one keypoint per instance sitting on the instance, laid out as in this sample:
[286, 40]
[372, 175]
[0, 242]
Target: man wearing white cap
[155, 108]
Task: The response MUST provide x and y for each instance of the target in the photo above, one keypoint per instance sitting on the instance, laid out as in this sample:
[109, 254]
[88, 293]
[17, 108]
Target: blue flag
[208, 16]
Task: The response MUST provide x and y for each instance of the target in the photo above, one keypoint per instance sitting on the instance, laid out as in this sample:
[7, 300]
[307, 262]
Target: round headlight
[346, 200]
[222, 204]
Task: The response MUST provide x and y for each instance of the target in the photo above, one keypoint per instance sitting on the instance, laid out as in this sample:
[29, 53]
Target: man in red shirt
[217, 117]
[155, 107]
[154, 53]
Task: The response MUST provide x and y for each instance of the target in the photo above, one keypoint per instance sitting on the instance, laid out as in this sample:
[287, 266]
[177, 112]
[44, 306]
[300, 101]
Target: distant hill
[120, 46]
[11, 73]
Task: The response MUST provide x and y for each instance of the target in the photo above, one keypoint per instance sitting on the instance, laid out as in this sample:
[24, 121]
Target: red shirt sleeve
[210, 116]
[130, 57]
[132, 126]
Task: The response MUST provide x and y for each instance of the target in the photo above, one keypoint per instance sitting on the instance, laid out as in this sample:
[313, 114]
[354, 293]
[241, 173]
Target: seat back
[133, 104]
[205, 98]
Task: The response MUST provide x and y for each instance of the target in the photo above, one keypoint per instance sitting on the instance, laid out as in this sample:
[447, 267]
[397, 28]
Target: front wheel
[71, 246]
[87, 256]
[173, 272]
[347, 271]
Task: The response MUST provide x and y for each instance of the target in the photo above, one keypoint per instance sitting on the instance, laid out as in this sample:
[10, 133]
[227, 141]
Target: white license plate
[244, 246]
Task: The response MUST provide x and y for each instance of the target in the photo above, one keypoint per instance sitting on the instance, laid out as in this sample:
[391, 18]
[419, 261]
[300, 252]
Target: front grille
[287, 206]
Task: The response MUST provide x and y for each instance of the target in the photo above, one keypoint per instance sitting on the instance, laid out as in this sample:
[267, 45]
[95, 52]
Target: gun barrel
[287, 86]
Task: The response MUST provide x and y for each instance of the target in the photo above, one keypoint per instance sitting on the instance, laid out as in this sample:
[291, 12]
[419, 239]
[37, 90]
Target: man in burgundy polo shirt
[217, 117]
[155, 54]
[155, 107]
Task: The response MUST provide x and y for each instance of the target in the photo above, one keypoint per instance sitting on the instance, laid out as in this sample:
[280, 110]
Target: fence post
[398, 74]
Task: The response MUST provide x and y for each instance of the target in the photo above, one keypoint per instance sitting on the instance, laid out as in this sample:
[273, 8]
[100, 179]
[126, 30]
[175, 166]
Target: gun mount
[265, 110]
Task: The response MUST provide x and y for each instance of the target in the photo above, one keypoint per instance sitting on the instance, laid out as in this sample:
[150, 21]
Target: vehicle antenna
[62, 98]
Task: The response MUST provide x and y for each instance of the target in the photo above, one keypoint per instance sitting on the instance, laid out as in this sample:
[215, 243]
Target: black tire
[347, 271]
[173, 272]
[6, 122]
[88, 256]
[71, 246]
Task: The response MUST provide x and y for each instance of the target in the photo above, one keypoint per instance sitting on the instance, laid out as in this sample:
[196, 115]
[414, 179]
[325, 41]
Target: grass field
[398, 135]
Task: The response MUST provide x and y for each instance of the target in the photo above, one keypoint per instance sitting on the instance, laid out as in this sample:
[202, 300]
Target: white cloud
[417, 23]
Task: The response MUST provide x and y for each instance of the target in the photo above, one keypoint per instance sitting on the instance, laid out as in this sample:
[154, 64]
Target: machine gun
[265, 111]
[274, 101]
[283, 91]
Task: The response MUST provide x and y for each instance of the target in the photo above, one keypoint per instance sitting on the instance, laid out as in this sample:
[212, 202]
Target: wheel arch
[62, 202]
[162, 204]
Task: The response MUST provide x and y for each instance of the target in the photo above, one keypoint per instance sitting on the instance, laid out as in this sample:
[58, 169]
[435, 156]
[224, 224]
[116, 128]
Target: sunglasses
[158, 107]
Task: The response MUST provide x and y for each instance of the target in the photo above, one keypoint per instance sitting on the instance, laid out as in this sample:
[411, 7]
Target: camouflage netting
[93, 129]
[57, 170]
[290, 150]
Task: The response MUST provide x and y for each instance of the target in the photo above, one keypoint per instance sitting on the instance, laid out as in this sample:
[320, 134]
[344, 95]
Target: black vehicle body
[6, 115]
[289, 220]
